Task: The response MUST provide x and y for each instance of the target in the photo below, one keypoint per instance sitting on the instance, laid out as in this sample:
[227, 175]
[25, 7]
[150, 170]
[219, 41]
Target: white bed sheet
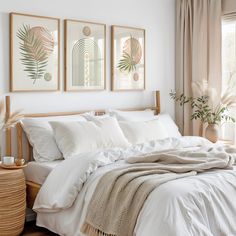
[193, 206]
[201, 205]
[37, 172]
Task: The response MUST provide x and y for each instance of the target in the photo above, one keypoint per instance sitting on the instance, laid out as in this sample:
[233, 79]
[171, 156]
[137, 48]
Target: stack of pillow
[56, 138]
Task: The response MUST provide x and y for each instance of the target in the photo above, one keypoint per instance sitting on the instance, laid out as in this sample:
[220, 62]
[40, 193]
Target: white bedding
[199, 205]
[37, 172]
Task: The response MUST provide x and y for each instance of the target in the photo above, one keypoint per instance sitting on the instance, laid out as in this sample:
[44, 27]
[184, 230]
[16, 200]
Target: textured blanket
[121, 193]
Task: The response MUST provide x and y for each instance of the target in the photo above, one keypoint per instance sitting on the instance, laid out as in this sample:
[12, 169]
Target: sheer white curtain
[228, 130]
[198, 52]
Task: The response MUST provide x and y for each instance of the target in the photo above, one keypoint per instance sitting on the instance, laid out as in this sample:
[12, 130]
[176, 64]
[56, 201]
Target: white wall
[156, 16]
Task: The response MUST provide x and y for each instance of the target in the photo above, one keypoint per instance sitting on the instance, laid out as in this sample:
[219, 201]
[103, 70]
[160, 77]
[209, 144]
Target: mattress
[37, 172]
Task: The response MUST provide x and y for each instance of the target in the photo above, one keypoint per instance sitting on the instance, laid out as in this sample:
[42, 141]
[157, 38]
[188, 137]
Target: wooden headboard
[20, 133]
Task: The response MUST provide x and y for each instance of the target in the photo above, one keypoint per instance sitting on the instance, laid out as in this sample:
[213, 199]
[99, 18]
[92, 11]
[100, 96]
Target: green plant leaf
[34, 57]
[127, 62]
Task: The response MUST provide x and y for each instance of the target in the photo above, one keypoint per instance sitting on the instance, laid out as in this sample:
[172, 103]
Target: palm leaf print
[132, 53]
[126, 63]
[34, 55]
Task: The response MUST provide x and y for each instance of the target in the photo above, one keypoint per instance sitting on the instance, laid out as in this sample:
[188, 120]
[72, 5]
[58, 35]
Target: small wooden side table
[12, 202]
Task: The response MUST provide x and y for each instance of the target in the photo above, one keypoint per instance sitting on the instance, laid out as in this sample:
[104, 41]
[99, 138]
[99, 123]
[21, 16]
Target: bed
[191, 187]
[16, 142]
[35, 174]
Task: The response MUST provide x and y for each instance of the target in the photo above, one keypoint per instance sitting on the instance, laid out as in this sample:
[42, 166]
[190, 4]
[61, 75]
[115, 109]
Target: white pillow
[40, 136]
[80, 137]
[165, 118]
[142, 131]
[170, 126]
[132, 115]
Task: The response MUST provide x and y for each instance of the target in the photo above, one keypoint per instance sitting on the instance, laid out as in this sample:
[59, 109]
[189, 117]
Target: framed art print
[34, 53]
[85, 56]
[128, 58]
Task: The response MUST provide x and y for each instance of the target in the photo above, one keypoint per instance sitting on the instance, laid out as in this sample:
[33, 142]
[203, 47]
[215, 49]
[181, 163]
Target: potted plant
[206, 109]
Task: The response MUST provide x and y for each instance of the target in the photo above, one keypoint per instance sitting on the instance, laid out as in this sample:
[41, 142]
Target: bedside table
[12, 202]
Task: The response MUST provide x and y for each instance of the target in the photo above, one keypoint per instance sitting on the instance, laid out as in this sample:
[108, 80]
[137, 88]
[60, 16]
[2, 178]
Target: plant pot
[212, 132]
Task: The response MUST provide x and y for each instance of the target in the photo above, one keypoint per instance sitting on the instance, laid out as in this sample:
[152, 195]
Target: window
[229, 70]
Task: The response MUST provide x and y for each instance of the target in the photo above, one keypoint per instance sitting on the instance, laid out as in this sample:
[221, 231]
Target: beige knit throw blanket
[121, 193]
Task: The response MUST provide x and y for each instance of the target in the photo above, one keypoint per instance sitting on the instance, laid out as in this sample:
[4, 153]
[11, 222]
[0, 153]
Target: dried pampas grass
[228, 99]
[206, 105]
[12, 120]
[202, 88]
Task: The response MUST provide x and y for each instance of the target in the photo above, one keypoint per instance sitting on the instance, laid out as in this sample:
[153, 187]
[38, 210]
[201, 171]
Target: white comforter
[198, 205]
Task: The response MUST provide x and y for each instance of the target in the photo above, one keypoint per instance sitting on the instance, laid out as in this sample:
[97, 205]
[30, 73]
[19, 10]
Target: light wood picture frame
[127, 58]
[34, 53]
[85, 55]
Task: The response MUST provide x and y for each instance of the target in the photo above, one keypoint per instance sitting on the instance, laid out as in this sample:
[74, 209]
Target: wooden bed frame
[31, 187]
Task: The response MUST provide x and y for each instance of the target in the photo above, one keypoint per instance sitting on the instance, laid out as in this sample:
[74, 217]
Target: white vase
[212, 132]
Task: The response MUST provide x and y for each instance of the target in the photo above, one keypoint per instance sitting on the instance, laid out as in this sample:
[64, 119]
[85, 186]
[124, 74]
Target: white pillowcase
[40, 136]
[170, 126]
[165, 118]
[143, 131]
[132, 115]
[80, 137]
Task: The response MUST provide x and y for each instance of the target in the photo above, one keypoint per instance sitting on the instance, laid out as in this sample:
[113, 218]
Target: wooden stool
[12, 202]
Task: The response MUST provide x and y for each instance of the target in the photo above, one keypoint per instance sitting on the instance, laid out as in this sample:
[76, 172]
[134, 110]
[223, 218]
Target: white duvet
[198, 205]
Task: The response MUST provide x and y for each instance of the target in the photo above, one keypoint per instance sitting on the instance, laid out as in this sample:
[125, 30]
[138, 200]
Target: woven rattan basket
[12, 202]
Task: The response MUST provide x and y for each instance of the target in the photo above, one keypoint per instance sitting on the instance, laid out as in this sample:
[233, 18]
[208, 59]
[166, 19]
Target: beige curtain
[228, 6]
[198, 52]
